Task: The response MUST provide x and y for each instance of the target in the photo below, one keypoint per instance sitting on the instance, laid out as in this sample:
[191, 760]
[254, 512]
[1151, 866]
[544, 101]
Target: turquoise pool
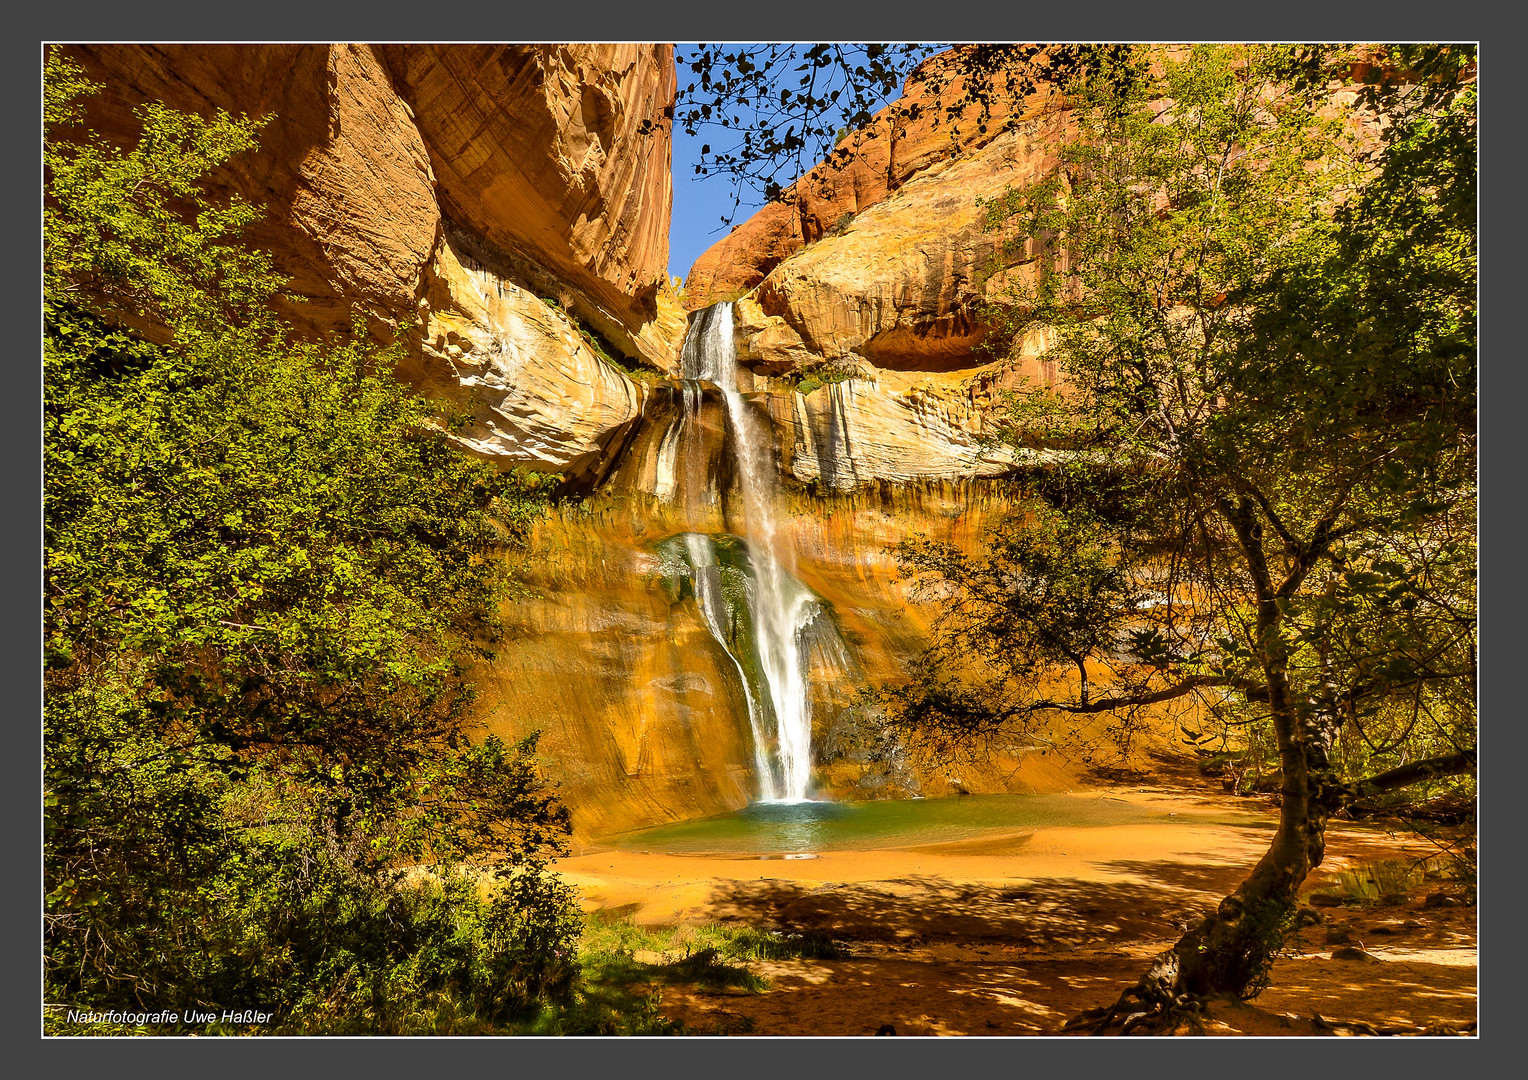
[803, 828]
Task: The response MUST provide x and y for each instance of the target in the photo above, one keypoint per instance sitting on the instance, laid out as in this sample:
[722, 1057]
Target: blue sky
[699, 203]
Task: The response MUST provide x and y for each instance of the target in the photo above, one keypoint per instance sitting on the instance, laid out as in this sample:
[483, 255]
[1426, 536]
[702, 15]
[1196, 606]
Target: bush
[266, 570]
[824, 374]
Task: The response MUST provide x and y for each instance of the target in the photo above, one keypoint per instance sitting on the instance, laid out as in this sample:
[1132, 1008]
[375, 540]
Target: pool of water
[804, 828]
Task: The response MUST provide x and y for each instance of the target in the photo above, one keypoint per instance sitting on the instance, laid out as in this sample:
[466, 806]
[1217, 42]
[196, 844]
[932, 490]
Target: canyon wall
[504, 207]
[859, 330]
[643, 717]
[910, 136]
[876, 267]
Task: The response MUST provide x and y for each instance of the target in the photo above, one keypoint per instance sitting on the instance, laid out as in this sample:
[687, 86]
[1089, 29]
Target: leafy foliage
[1272, 408]
[1264, 309]
[823, 373]
[265, 571]
[1049, 589]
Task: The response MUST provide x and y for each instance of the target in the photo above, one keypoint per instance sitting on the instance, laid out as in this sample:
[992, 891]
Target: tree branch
[1406, 775]
[1271, 514]
[1306, 555]
[1168, 693]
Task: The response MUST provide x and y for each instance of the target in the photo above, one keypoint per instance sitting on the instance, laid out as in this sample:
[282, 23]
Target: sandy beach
[1014, 934]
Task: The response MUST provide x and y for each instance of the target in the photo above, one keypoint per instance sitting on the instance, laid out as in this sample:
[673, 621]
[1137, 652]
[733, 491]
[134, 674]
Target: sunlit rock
[385, 169]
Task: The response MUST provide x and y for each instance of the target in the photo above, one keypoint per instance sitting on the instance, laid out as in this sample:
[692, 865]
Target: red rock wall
[537, 148]
[866, 168]
[351, 211]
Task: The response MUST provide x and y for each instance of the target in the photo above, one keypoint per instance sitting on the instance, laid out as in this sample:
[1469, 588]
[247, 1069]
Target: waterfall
[710, 598]
[778, 606]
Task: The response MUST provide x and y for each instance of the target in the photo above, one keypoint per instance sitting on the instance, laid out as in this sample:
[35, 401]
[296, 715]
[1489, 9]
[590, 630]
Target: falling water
[781, 608]
[711, 598]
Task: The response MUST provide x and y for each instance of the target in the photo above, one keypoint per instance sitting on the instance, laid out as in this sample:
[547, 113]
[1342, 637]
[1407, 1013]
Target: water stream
[779, 610]
[711, 596]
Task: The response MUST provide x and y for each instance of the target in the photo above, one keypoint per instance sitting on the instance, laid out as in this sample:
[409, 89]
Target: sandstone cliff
[538, 151]
[876, 266]
[388, 172]
[899, 284]
[906, 138]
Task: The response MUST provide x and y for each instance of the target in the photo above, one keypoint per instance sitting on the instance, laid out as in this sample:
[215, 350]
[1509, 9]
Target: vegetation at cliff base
[265, 571]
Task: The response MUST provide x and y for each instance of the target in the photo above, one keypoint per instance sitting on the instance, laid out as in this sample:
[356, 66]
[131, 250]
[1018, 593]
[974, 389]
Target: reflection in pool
[807, 827]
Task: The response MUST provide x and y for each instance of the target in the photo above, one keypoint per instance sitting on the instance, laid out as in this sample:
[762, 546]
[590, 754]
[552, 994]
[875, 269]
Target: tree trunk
[1232, 951]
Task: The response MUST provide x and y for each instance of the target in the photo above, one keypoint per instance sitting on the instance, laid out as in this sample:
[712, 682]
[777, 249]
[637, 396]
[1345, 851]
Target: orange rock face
[341, 169]
[538, 149]
[869, 165]
[534, 149]
[387, 170]
[877, 268]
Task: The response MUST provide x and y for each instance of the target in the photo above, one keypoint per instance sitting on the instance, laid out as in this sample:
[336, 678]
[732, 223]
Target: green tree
[266, 569]
[1264, 306]
[1048, 589]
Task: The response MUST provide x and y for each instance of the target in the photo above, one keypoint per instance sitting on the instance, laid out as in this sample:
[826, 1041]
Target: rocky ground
[1016, 934]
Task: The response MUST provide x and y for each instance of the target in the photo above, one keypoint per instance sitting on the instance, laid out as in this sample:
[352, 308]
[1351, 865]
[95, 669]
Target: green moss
[841, 224]
[602, 347]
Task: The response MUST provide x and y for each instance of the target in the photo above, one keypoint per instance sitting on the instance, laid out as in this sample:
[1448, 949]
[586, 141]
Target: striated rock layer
[537, 149]
[388, 171]
[642, 715]
[894, 429]
[901, 286]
